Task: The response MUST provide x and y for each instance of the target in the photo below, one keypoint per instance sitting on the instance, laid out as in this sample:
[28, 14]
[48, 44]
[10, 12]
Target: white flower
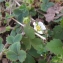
[39, 27]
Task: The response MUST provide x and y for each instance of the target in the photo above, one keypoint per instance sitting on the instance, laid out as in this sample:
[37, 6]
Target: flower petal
[35, 28]
[34, 23]
[42, 25]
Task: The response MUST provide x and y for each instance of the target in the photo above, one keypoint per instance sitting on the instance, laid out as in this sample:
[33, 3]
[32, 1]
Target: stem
[17, 3]
[18, 22]
[40, 36]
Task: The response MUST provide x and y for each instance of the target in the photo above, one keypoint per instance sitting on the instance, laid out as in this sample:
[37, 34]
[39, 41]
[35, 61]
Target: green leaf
[29, 59]
[33, 53]
[17, 38]
[13, 33]
[16, 62]
[20, 17]
[17, 12]
[42, 61]
[8, 28]
[26, 20]
[1, 47]
[29, 1]
[21, 55]
[55, 59]
[37, 44]
[12, 55]
[2, 0]
[45, 1]
[55, 46]
[27, 43]
[15, 47]
[32, 12]
[29, 32]
[10, 39]
[61, 22]
[21, 12]
[15, 53]
[46, 4]
[58, 32]
[16, 30]
[1, 40]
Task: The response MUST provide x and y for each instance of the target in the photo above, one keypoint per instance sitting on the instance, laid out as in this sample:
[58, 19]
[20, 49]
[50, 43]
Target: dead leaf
[56, 9]
[2, 29]
[51, 10]
[49, 17]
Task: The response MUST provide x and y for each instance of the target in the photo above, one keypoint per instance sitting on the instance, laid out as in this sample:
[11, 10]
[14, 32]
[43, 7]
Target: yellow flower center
[38, 27]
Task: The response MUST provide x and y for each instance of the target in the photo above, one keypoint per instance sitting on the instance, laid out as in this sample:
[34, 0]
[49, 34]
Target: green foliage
[1, 45]
[61, 23]
[20, 44]
[29, 32]
[55, 46]
[21, 12]
[28, 1]
[33, 12]
[13, 39]
[1, 40]
[46, 4]
[37, 44]
[26, 20]
[15, 62]
[33, 53]
[57, 59]
[8, 28]
[42, 61]
[58, 32]
[27, 43]
[2, 0]
[16, 30]
[29, 59]
[15, 53]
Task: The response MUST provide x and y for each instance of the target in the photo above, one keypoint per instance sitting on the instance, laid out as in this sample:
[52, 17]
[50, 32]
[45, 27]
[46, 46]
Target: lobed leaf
[17, 38]
[12, 55]
[15, 47]
[55, 46]
[10, 39]
[15, 53]
[21, 55]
